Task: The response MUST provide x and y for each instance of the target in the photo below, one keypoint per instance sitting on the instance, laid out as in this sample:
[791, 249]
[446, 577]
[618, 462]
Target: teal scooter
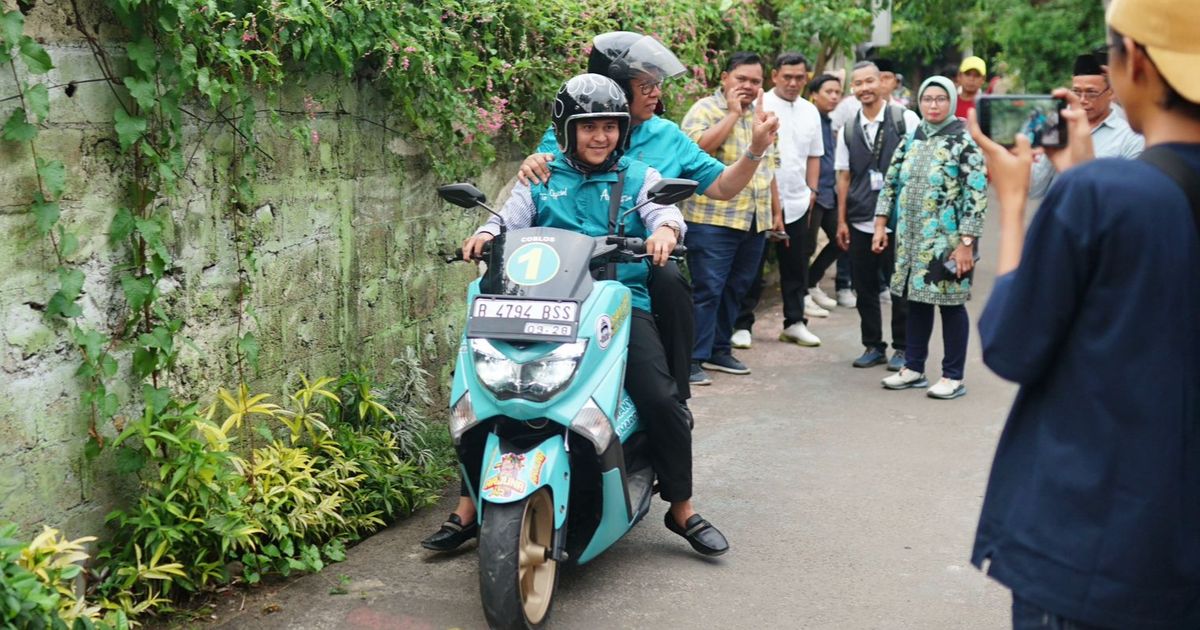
[550, 445]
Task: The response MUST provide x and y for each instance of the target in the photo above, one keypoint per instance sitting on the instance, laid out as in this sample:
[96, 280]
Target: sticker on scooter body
[505, 479]
[532, 264]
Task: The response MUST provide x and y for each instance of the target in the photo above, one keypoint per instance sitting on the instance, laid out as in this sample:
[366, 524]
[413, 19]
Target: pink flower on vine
[410, 49]
[404, 63]
[311, 107]
[314, 137]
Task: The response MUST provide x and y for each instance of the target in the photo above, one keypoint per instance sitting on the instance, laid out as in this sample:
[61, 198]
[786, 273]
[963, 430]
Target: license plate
[543, 310]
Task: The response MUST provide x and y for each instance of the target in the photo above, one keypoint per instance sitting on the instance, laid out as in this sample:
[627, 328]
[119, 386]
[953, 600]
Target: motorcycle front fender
[509, 475]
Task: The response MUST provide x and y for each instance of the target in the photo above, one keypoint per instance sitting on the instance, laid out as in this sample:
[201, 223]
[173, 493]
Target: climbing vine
[460, 80]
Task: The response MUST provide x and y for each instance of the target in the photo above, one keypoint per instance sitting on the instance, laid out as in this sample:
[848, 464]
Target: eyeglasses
[647, 88]
[1090, 95]
[935, 100]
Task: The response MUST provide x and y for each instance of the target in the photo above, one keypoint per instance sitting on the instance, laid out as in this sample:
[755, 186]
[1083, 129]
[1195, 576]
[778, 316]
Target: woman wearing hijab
[935, 191]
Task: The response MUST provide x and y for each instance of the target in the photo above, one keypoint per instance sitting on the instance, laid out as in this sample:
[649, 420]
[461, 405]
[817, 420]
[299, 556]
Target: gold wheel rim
[536, 571]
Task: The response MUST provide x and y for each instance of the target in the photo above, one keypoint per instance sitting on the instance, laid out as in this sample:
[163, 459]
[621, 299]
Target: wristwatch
[754, 158]
[968, 240]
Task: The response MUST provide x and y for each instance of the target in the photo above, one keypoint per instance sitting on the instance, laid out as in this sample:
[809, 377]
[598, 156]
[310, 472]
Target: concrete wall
[344, 232]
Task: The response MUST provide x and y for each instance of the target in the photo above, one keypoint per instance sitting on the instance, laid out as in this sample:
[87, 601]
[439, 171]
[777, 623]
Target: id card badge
[876, 180]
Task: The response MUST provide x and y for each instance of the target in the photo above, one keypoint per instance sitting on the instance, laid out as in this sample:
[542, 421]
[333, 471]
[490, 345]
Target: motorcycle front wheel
[516, 574]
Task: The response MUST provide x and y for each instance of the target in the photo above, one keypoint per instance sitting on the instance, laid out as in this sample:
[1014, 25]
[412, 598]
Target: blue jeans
[722, 262]
[1029, 616]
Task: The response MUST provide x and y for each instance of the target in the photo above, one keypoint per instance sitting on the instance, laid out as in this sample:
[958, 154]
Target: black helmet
[589, 96]
[622, 56]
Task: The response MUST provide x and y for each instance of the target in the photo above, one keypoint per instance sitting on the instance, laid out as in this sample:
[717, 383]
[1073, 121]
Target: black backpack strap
[614, 202]
[614, 214]
[1172, 164]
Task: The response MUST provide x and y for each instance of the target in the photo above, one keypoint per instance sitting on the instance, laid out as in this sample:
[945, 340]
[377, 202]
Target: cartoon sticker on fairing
[604, 331]
[505, 481]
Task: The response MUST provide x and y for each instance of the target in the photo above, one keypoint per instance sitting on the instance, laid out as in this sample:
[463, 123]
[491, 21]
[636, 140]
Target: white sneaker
[885, 296]
[812, 310]
[741, 339]
[846, 298]
[822, 300]
[905, 379]
[800, 335]
[946, 389]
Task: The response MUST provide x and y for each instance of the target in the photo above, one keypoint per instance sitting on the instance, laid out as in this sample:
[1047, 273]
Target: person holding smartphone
[1092, 511]
[935, 192]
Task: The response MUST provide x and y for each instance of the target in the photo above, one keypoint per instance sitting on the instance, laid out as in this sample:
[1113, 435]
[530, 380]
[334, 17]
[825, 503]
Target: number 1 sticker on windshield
[532, 264]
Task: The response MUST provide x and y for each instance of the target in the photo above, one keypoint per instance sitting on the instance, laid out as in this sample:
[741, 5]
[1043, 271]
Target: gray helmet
[622, 56]
[589, 96]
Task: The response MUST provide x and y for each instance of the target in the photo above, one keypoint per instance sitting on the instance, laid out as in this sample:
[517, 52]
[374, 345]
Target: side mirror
[462, 195]
[669, 191]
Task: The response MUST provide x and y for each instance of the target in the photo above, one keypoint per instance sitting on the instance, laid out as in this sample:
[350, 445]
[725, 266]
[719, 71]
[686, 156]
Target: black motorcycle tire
[500, 539]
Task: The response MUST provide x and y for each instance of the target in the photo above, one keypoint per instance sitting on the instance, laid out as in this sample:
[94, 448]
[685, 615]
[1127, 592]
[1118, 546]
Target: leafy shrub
[241, 512]
[37, 584]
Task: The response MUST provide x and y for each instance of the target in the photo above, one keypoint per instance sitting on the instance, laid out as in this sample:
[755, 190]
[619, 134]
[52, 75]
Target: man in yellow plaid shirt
[725, 239]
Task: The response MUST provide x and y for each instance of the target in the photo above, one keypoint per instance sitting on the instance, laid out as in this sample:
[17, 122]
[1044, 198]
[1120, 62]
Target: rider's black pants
[671, 300]
[654, 393]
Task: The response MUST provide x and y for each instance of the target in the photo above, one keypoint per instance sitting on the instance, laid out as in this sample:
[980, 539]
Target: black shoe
[725, 363]
[698, 376]
[871, 357]
[451, 535]
[897, 361]
[701, 534]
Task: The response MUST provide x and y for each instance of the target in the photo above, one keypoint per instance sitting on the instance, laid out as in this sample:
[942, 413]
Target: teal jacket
[579, 202]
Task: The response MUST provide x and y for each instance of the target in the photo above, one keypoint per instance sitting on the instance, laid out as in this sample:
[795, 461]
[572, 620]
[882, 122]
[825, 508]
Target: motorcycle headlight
[462, 417]
[537, 380]
[593, 424]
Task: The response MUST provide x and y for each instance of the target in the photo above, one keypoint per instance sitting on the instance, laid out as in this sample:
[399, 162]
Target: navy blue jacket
[1093, 505]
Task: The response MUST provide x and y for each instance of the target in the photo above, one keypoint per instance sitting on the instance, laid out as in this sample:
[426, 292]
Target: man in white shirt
[864, 151]
[800, 147]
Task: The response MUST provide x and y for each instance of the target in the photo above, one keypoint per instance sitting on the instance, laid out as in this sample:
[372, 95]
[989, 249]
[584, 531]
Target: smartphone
[778, 235]
[1038, 116]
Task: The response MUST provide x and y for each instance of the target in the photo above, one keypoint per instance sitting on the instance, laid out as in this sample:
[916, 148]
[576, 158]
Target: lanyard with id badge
[876, 151]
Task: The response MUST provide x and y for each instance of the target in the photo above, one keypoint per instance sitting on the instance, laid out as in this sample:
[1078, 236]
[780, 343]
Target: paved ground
[847, 506]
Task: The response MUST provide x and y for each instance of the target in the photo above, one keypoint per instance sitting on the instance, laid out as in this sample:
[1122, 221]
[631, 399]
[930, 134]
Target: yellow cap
[1170, 31]
[973, 63]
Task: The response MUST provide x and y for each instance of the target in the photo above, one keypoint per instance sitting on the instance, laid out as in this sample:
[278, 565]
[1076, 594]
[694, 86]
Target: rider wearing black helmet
[640, 64]
[591, 128]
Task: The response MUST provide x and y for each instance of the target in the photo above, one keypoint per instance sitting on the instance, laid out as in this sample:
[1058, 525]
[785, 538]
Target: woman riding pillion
[591, 122]
[639, 64]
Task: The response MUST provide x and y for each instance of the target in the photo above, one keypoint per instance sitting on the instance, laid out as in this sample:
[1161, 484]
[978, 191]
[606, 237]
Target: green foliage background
[1036, 40]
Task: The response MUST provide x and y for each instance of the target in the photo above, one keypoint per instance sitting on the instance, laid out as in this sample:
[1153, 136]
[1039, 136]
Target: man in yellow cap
[972, 74]
[1092, 512]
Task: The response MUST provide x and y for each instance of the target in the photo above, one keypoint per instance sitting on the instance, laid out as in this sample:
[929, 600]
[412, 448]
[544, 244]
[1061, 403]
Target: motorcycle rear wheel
[516, 575]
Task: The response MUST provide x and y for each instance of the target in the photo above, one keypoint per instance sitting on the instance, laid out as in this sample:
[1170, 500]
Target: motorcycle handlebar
[457, 256]
[637, 246]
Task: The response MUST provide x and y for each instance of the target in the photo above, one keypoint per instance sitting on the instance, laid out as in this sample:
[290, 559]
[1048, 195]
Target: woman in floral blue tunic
[935, 191]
